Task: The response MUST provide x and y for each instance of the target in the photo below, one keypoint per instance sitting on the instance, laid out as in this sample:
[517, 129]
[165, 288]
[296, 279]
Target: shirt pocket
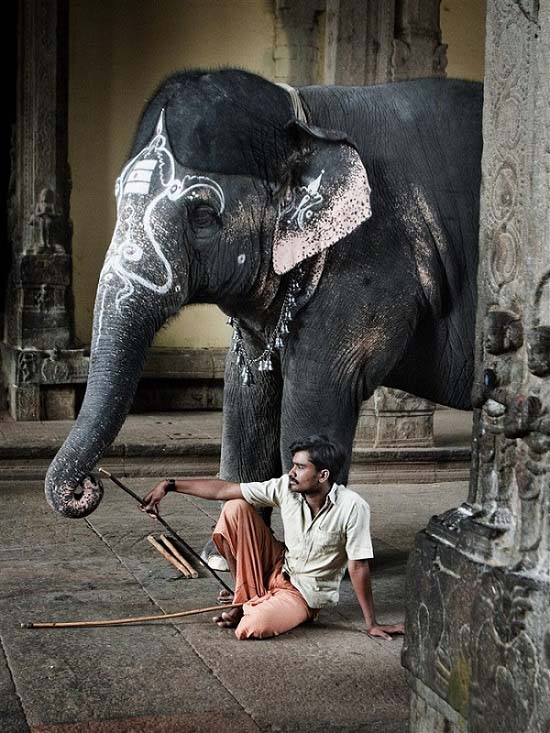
[327, 543]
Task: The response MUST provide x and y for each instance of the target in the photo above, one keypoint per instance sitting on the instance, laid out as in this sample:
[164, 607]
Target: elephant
[337, 228]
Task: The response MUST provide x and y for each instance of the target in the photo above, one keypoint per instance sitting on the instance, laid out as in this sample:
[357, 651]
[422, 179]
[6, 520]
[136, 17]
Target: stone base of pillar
[41, 383]
[59, 403]
[365, 432]
[472, 627]
[402, 420]
[428, 713]
[30, 402]
[24, 402]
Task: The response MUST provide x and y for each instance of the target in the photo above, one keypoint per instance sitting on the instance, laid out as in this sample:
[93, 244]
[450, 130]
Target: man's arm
[212, 488]
[359, 572]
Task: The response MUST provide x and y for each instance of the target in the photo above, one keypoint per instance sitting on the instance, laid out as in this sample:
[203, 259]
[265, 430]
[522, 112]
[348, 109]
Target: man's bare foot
[225, 596]
[229, 619]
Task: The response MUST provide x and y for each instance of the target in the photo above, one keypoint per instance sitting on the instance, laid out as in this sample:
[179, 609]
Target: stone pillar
[417, 48]
[300, 41]
[38, 360]
[477, 648]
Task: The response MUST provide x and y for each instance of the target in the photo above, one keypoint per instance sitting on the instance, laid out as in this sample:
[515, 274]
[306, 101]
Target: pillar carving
[39, 308]
[478, 623]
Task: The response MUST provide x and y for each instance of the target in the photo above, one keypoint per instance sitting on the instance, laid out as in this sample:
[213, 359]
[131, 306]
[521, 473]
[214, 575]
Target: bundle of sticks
[172, 554]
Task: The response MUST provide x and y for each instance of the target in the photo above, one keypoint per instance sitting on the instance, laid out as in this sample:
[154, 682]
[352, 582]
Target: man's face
[304, 477]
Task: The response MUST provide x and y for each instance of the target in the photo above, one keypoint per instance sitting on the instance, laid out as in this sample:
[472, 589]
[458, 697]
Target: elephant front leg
[251, 425]
[250, 436]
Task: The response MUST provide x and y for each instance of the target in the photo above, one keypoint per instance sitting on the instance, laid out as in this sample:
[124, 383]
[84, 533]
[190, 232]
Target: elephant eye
[202, 216]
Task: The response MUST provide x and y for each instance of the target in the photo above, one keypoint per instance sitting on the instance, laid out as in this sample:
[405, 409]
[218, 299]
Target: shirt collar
[333, 493]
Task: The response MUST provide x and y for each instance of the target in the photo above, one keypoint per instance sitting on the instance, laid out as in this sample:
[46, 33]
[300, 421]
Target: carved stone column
[478, 621]
[417, 49]
[38, 361]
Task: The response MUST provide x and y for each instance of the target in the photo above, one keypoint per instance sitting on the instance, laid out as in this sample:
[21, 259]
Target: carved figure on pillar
[46, 220]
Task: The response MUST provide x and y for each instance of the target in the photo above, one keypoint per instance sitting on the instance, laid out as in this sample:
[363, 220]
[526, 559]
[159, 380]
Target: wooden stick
[179, 556]
[120, 621]
[167, 556]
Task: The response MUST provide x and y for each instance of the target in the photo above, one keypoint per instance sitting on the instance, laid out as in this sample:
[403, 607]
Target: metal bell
[247, 377]
[265, 365]
[279, 343]
[284, 328]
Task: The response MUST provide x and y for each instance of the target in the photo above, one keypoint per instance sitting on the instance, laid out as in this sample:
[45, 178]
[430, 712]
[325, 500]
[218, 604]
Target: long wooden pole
[120, 621]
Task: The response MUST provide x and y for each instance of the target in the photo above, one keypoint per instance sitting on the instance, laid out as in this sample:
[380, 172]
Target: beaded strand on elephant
[263, 362]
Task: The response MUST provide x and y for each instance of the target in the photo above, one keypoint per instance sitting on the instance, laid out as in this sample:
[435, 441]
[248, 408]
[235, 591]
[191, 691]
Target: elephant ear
[327, 199]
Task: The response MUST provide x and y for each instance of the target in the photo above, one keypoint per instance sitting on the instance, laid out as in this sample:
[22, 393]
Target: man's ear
[327, 196]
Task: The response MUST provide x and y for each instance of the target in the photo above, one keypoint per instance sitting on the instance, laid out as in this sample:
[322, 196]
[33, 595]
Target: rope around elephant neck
[296, 101]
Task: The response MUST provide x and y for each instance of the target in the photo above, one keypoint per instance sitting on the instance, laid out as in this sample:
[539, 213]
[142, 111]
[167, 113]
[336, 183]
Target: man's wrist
[170, 484]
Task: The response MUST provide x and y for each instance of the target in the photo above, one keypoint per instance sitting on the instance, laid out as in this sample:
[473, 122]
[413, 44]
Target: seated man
[325, 526]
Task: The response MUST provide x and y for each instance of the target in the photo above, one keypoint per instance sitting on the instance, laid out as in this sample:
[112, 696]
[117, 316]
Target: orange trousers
[272, 605]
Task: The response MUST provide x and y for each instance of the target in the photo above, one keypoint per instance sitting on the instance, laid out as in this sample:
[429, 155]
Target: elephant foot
[211, 556]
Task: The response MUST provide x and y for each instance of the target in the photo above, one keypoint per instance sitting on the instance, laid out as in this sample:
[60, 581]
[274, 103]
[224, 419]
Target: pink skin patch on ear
[347, 205]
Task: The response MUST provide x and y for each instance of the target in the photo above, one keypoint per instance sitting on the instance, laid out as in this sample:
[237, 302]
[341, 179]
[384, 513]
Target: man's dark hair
[323, 453]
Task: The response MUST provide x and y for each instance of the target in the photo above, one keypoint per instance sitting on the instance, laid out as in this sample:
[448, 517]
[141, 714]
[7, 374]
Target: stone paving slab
[12, 718]
[325, 681]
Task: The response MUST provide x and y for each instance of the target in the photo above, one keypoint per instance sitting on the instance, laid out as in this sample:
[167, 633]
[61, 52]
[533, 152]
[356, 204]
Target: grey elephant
[336, 226]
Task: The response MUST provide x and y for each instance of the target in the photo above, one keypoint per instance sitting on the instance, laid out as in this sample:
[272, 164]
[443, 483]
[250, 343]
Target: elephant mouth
[80, 500]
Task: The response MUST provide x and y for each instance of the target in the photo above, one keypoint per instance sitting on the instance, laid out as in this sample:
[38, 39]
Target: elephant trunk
[118, 354]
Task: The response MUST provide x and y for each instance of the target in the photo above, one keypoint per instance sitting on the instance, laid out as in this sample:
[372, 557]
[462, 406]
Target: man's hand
[359, 572]
[382, 631]
[153, 499]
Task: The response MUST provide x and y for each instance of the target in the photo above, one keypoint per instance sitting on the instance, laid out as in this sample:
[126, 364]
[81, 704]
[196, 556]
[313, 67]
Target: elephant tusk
[158, 518]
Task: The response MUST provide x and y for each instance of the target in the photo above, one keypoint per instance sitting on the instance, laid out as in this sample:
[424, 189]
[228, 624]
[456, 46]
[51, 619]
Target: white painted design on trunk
[143, 225]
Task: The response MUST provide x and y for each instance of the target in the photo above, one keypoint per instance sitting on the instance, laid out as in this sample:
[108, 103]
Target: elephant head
[225, 192]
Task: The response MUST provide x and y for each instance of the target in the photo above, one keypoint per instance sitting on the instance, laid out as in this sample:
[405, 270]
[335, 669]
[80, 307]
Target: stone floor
[186, 675]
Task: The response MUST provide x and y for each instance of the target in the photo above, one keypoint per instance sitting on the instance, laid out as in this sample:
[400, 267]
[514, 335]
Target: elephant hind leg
[325, 411]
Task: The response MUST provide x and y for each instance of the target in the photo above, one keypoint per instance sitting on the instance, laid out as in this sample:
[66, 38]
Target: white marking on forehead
[139, 178]
[134, 229]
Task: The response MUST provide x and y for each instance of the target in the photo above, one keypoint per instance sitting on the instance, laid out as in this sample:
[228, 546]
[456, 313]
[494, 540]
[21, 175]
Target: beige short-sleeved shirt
[317, 549]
